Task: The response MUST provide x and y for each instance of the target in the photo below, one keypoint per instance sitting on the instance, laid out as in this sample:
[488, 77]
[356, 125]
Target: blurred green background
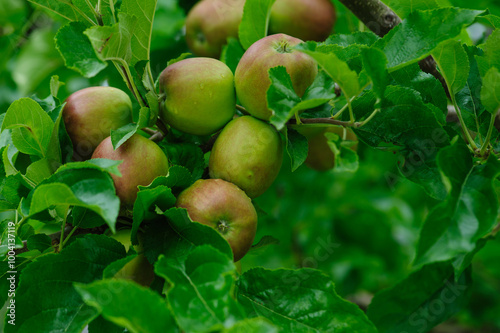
[360, 228]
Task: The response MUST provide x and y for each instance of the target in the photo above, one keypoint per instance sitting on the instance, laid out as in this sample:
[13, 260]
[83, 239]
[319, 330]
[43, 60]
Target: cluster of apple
[211, 22]
[199, 98]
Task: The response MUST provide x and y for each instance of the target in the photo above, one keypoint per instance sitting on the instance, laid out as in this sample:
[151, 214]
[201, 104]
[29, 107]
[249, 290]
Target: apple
[252, 73]
[143, 161]
[200, 95]
[138, 269]
[320, 156]
[304, 19]
[91, 113]
[224, 207]
[210, 23]
[247, 153]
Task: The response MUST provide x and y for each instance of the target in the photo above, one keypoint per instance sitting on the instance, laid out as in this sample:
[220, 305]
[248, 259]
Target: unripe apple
[200, 96]
[304, 19]
[91, 113]
[210, 23]
[138, 269]
[252, 73]
[224, 207]
[247, 153]
[143, 161]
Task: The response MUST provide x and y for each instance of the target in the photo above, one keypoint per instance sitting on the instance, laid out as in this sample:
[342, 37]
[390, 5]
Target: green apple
[210, 23]
[247, 153]
[200, 96]
[91, 113]
[224, 207]
[143, 161]
[304, 19]
[252, 73]
[138, 269]
[320, 156]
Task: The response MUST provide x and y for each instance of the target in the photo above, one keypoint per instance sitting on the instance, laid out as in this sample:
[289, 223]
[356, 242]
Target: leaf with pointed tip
[255, 21]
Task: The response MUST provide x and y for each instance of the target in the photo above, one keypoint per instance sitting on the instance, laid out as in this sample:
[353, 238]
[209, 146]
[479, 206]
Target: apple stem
[488, 136]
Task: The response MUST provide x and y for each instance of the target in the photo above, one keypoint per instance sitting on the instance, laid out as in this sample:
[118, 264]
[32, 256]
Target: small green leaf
[112, 298]
[114, 42]
[77, 50]
[490, 91]
[253, 325]
[338, 70]
[255, 21]
[55, 84]
[345, 158]
[232, 53]
[31, 127]
[187, 155]
[375, 64]
[299, 301]
[454, 64]
[121, 135]
[201, 289]
[296, 147]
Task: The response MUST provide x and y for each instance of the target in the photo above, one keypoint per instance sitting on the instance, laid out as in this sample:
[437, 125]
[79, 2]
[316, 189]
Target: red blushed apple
[304, 19]
[210, 23]
[224, 207]
[91, 113]
[143, 161]
[252, 74]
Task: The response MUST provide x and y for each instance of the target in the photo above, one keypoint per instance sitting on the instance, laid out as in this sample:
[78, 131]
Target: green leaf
[101, 325]
[419, 35]
[55, 84]
[337, 69]
[490, 91]
[144, 11]
[469, 212]
[296, 147]
[491, 56]
[375, 65]
[187, 155]
[281, 96]
[299, 301]
[63, 8]
[232, 53]
[201, 289]
[345, 158]
[176, 236]
[77, 50]
[454, 64]
[46, 299]
[114, 42]
[72, 185]
[122, 134]
[255, 21]
[424, 299]
[112, 298]
[31, 127]
[39, 242]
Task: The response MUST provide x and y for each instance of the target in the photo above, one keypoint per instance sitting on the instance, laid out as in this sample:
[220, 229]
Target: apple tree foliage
[409, 222]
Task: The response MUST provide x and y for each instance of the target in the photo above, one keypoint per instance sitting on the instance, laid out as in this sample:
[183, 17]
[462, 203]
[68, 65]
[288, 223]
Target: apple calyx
[223, 227]
[283, 46]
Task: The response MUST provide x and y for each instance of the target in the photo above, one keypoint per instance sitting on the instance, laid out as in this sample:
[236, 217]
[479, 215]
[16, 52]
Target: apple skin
[224, 207]
[210, 23]
[247, 153]
[200, 95]
[138, 269]
[304, 19]
[143, 161]
[252, 73]
[320, 156]
[91, 113]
